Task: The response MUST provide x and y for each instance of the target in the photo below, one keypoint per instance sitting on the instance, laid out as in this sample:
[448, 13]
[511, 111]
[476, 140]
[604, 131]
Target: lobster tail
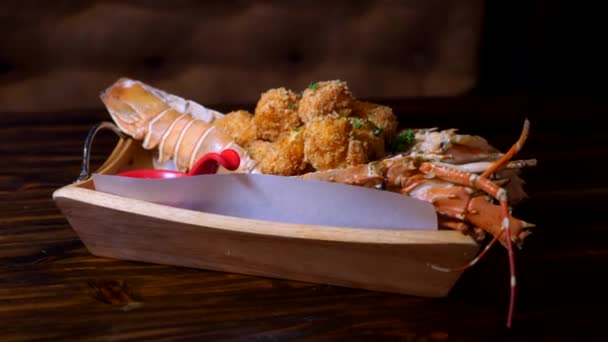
[180, 129]
[132, 107]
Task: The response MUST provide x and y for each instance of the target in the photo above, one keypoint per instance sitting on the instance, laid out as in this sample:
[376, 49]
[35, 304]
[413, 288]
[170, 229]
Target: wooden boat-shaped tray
[381, 260]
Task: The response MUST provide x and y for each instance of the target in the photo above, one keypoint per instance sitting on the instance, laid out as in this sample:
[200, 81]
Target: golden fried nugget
[258, 149]
[326, 141]
[381, 116]
[324, 98]
[357, 153]
[276, 112]
[370, 137]
[286, 155]
[238, 125]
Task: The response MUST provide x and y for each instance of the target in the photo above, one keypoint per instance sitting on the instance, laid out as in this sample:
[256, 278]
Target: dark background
[60, 55]
[542, 48]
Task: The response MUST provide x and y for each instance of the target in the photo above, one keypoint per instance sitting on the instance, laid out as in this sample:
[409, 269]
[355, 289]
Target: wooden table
[52, 288]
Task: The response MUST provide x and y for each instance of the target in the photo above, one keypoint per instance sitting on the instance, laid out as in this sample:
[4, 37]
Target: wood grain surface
[52, 288]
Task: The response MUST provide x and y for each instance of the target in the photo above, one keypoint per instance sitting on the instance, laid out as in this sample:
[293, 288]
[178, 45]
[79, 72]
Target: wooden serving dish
[382, 260]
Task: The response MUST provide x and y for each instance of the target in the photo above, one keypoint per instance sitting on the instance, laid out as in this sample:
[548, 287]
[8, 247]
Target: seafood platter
[292, 157]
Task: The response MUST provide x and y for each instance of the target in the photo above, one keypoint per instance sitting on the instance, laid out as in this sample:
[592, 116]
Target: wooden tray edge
[270, 228]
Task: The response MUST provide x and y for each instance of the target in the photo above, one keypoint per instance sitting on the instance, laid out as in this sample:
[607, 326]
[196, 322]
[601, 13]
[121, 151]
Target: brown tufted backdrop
[57, 55]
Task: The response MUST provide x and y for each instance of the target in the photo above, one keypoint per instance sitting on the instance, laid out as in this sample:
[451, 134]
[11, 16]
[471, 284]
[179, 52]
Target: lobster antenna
[501, 196]
[512, 151]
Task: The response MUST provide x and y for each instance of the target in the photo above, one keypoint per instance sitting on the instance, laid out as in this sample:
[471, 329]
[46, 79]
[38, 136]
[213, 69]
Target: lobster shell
[179, 129]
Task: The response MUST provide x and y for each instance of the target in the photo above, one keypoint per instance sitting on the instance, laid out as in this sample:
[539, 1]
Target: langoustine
[412, 173]
[453, 173]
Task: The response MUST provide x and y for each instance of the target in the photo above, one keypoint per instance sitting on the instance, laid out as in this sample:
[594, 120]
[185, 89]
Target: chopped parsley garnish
[403, 140]
[291, 106]
[378, 131]
[295, 129]
[313, 86]
[355, 122]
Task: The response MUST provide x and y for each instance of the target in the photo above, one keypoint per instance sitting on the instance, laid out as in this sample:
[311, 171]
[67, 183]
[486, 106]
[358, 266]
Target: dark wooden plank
[51, 288]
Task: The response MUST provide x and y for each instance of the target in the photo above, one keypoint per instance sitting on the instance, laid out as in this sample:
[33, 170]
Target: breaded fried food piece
[326, 141]
[285, 156]
[357, 153]
[238, 125]
[258, 149]
[324, 98]
[381, 116]
[276, 112]
[370, 136]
